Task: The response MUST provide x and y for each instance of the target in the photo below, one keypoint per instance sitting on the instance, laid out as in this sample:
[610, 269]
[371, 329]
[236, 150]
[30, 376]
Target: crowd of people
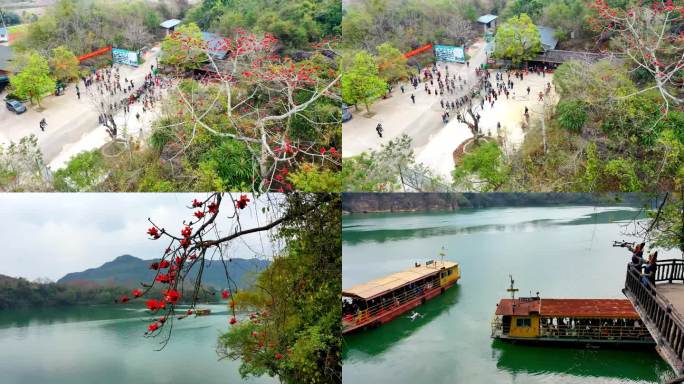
[113, 95]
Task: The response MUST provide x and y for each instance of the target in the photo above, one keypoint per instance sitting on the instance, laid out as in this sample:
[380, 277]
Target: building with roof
[488, 21]
[548, 38]
[170, 25]
[4, 35]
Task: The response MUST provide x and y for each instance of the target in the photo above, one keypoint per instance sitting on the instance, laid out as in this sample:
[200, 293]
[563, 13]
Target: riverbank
[448, 202]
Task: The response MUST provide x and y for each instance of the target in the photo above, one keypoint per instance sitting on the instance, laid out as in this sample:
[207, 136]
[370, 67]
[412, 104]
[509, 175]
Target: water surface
[104, 344]
[561, 252]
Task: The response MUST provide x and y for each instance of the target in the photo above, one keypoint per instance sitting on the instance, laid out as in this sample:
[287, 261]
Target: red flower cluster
[154, 305]
[213, 207]
[232, 320]
[171, 296]
[225, 294]
[153, 327]
[163, 278]
[154, 232]
[196, 203]
[164, 264]
[124, 299]
[242, 202]
[137, 293]
[199, 214]
[278, 356]
[186, 232]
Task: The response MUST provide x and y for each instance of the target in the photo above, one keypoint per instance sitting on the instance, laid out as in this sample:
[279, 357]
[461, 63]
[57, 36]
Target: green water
[104, 344]
[562, 252]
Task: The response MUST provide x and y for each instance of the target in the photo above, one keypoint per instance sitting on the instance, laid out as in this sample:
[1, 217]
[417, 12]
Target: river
[561, 252]
[104, 344]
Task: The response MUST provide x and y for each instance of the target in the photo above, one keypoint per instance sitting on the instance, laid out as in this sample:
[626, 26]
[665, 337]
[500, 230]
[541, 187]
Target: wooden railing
[363, 315]
[665, 325]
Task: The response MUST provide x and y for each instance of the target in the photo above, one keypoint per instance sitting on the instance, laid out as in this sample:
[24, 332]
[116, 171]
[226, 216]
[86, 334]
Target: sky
[50, 235]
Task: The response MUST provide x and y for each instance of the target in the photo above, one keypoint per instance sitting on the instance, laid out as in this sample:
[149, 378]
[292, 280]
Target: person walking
[43, 124]
[528, 91]
[379, 129]
[413, 98]
[402, 89]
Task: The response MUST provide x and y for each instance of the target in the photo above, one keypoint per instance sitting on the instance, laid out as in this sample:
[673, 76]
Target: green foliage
[300, 291]
[391, 64]
[64, 64]
[311, 178]
[361, 82]
[517, 39]
[666, 224]
[514, 8]
[483, 169]
[567, 16]
[82, 173]
[83, 26]
[183, 49]
[296, 23]
[572, 114]
[34, 80]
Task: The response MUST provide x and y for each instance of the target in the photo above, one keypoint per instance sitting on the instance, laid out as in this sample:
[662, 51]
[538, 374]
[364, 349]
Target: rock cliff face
[400, 202]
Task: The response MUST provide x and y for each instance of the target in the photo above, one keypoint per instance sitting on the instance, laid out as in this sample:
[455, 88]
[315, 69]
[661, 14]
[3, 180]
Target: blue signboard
[450, 53]
[123, 56]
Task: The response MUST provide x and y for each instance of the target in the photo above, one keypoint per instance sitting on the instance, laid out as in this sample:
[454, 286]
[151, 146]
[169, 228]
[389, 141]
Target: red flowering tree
[253, 95]
[188, 250]
[650, 37]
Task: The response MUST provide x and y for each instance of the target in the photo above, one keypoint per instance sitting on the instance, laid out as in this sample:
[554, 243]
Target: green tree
[34, 80]
[361, 82]
[517, 39]
[532, 8]
[64, 64]
[22, 168]
[311, 178]
[183, 49]
[572, 114]
[299, 338]
[83, 173]
[391, 64]
[483, 169]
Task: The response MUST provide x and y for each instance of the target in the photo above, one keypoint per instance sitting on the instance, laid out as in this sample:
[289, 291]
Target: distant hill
[129, 271]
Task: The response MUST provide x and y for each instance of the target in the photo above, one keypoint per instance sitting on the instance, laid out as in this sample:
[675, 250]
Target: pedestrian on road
[78, 93]
[528, 91]
[43, 125]
[413, 98]
[379, 130]
[402, 89]
[137, 116]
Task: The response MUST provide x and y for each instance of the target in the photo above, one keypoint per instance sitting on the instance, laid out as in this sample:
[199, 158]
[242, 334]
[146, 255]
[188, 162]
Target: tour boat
[379, 301]
[572, 322]
[202, 312]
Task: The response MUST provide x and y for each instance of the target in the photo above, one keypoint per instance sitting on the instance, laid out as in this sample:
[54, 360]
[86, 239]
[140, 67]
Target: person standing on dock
[637, 255]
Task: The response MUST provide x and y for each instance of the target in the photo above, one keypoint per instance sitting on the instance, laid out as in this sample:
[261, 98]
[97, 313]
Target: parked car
[346, 113]
[15, 106]
[4, 82]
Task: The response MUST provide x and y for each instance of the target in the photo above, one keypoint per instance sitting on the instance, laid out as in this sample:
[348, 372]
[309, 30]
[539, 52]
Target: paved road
[398, 115]
[72, 123]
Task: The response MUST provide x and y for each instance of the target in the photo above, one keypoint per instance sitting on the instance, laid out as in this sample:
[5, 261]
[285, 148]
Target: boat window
[523, 322]
[449, 272]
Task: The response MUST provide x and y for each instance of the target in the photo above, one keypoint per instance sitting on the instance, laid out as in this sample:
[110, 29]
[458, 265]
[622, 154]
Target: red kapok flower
[164, 264]
[213, 207]
[163, 278]
[196, 203]
[232, 320]
[137, 293]
[171, 296]
[242, 202]
[278, 356]
[154, 266]
[186, 232]
[225, 294]
[185, 242]
[154, 232]
[124, 299]
[189, 312]
[199, 214]
[154, 305]
[323, 151]
[332, 150]
[153, 327]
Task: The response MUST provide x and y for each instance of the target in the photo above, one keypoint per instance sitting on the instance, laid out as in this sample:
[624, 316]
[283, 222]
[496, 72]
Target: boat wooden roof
[378, 287]
[596, 308]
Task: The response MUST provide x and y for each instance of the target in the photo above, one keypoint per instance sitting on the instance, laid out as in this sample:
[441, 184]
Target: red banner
[418, 50]
[95, 53]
